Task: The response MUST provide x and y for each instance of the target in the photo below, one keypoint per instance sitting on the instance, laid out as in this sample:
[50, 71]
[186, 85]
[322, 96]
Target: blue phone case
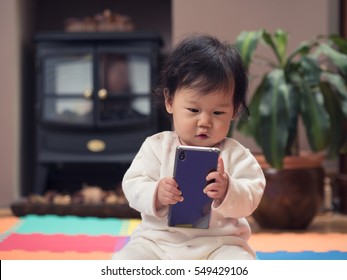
[192, 164]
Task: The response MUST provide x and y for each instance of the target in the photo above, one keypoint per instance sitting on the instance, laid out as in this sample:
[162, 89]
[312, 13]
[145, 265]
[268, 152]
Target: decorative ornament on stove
[107, 21]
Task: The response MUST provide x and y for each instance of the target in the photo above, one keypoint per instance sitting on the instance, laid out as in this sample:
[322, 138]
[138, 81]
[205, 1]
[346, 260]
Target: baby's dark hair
[205, 63]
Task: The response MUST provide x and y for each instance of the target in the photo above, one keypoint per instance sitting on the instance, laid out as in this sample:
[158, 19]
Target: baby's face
[201, 119]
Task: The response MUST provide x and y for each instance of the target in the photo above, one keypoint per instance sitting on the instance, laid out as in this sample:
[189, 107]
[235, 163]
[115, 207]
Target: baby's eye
[193, 110]
[218, 113]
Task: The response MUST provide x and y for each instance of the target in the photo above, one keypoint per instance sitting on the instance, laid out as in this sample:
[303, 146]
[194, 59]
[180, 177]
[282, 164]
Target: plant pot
[293, 195]
[341, 181]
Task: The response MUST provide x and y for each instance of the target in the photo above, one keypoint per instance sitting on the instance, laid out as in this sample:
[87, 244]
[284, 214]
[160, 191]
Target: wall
[224, 18]
[344, 18]
[9, 100]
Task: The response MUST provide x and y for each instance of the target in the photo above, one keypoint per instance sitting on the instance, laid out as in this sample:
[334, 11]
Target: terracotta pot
[304, 160]
[342, 187]
[293, 195]
[343, 164]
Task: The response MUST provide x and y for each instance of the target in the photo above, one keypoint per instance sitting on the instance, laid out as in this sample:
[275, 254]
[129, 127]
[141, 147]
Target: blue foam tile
[305, 255]
[72, 225]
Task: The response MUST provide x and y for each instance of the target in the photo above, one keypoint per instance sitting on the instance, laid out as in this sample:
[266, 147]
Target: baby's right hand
[168, 192]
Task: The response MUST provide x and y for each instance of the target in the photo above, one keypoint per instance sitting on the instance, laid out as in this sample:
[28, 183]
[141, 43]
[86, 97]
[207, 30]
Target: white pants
[143, 249]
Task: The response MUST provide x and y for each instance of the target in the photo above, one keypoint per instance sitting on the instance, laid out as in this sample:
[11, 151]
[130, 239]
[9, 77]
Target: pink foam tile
[63, 243]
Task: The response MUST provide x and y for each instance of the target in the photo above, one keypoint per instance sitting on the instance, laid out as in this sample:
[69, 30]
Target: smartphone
[192, 165]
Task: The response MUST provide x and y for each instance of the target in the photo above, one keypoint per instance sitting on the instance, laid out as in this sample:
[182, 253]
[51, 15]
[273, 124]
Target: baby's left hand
[217, 189]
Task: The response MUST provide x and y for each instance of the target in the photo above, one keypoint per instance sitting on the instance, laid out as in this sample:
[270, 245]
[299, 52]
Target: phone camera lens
[182, 155]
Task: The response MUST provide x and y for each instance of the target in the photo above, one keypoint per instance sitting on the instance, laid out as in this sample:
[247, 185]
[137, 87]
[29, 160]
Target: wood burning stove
[93, 101]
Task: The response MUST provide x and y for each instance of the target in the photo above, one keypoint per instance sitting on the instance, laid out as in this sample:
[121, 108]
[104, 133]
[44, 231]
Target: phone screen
[192, 165]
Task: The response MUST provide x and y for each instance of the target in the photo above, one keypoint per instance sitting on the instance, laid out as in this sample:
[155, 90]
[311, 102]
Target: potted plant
[309, 86]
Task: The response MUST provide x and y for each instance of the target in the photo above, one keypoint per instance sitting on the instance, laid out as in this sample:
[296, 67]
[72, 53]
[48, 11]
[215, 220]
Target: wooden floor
[5, 212]
[323, 222]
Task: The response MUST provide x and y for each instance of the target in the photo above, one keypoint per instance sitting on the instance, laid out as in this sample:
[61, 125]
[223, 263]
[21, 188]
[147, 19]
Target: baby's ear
[168, 101]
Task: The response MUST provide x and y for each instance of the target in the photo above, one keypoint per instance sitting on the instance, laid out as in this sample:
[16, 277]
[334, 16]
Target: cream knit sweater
[228, 225]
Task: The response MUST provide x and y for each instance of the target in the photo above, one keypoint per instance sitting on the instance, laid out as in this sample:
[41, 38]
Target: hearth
[88, 201]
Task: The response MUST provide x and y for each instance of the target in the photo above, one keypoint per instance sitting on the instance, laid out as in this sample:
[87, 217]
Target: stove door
[66, 87]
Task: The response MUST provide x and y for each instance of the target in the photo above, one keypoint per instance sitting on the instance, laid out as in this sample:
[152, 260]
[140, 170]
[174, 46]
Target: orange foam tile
[6, 223]
[45, 255]
[295, 242]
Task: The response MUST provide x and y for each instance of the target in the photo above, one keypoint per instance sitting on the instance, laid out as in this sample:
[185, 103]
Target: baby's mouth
[202, 136]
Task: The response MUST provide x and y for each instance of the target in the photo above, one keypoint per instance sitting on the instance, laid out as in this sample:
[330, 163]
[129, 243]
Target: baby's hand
[168, 192]
[217, 189]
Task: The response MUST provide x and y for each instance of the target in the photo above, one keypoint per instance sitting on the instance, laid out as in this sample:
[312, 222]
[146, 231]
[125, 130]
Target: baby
[203, 87]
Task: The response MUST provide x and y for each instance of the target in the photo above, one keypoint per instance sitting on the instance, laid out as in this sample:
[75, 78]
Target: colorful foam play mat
[53, 237]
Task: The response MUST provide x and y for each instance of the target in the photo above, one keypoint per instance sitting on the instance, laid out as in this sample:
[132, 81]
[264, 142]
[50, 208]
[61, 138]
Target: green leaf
[250, 126]
[340, 42]
[281, 39]
[268, 40]
[310, 70]
[293, 112]
[315, 117]
[274, 117]
[338, 91]
[302, 49]
[278, 43]
[246, 43]
[337, 119]
[339, 59]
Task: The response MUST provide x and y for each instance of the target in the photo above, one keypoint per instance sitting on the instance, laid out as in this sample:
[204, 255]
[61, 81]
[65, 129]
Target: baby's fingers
[213, 192]
[220, 166]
